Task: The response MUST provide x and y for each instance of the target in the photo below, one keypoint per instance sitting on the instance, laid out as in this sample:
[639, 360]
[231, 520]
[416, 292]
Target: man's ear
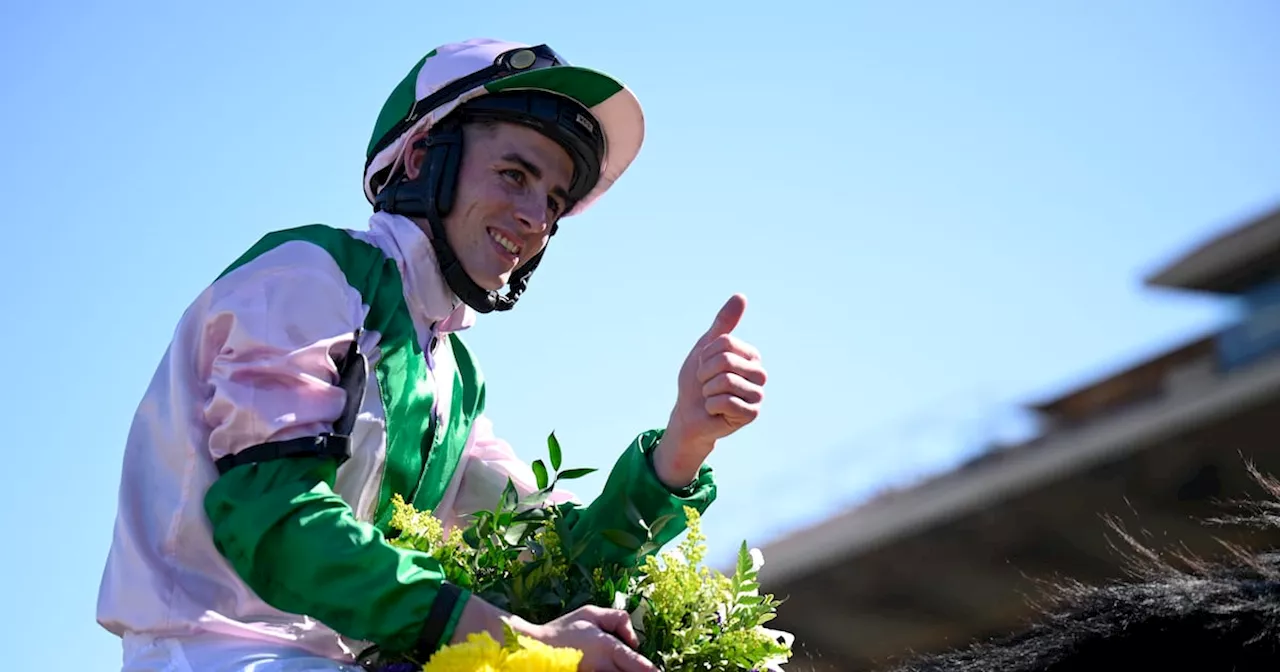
[412, 162]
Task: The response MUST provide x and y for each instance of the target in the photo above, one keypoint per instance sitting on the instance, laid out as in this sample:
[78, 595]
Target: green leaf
[535, 500]
[569, 474]
[744, 560]
[528, 568]
[529, 515]
[509, 639]
[553, 447]
[515, 534]
[540, 473]
[510, 496]
[661, 522]
[623, 539]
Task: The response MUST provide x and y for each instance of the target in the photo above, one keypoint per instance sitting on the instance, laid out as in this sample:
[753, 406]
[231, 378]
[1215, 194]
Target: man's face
[511, 188]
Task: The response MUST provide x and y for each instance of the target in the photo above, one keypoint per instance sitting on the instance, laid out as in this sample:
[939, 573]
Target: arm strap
[353, 375]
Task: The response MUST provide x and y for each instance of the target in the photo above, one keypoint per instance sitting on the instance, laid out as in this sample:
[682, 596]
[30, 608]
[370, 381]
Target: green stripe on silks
[466, 403]
[404, 381]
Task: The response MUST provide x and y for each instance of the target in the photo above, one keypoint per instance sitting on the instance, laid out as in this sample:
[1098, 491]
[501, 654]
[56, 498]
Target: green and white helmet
[456, 73]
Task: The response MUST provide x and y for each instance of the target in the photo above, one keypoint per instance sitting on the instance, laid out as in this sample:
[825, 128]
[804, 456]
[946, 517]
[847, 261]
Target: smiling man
[323, 372]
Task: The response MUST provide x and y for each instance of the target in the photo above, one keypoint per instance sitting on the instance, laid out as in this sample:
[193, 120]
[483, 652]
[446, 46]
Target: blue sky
[936, 210]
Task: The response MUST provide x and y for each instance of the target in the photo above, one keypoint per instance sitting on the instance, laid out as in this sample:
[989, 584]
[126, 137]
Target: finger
[735, 385]
[729, 316]
[730, 343]
[733, 410]
[615, 622]
[629, 661]
[731, 362]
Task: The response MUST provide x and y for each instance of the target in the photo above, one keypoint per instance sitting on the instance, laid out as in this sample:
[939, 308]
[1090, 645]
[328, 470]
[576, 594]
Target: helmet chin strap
[430, 196]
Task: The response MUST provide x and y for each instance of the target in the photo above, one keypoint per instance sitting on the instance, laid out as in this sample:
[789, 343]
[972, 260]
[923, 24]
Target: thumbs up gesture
[719, 391]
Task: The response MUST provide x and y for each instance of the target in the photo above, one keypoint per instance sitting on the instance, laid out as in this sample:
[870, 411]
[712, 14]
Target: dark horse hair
[1174, 613]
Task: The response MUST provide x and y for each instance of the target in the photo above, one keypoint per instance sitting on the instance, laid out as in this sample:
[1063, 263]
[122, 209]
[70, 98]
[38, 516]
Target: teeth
[506, 244]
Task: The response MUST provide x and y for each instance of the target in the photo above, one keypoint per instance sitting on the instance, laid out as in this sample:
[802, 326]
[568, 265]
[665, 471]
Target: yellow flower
[480, 653]
[414, 524]
[538, 657]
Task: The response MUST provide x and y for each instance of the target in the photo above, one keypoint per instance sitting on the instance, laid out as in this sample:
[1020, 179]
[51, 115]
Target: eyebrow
[535, 171]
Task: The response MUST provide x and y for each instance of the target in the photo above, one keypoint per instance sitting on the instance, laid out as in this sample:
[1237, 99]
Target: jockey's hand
[604, 636]
[719, 391]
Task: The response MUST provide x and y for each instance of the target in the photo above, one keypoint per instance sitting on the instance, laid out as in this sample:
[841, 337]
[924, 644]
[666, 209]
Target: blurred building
[1156, 446]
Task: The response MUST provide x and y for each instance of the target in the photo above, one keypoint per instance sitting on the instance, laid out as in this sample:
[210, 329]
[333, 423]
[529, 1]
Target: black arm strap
[336, 446]
[433, 628]
[353, 374]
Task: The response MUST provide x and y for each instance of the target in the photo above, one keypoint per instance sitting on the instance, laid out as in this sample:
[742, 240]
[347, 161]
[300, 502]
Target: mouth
[510, 246]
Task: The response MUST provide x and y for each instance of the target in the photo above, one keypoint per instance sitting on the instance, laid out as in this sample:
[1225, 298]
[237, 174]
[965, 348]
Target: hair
[1180, 612]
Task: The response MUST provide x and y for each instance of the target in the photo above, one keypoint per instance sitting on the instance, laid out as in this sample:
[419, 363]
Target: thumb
[729, 316]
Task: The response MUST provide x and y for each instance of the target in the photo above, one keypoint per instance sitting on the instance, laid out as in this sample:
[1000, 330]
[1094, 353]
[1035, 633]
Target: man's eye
[514, 175]
[554, 206]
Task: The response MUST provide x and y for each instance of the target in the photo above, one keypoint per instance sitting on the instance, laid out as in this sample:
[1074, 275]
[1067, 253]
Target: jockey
[323, 372]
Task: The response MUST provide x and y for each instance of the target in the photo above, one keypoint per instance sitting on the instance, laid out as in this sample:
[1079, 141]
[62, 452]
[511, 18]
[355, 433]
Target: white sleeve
[267, 345]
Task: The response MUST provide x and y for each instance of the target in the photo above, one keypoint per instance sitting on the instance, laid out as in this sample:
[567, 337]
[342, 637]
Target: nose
[531, 213]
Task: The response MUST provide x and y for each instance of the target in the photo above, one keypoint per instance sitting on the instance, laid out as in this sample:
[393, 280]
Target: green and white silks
[290, 554]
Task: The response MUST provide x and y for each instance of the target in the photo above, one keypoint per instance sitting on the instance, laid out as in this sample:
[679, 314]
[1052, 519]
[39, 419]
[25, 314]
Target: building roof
[1228, 263]
[1134, 384]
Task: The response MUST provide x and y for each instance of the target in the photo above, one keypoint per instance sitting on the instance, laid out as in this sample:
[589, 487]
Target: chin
[485, 279]
[492, 284]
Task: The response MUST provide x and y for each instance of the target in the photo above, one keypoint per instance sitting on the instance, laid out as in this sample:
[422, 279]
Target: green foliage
[522, 556]
[696, 618]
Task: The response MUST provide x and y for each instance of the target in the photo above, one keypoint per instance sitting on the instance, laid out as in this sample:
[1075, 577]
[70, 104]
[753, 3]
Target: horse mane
[1168, 612]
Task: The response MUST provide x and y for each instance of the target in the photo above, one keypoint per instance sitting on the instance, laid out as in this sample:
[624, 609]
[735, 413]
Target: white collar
[433, 306]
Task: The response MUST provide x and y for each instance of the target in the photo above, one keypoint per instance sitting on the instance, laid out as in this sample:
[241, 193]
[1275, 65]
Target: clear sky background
[937, 211]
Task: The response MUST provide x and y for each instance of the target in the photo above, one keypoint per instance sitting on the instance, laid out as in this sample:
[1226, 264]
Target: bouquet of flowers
[522, 557]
